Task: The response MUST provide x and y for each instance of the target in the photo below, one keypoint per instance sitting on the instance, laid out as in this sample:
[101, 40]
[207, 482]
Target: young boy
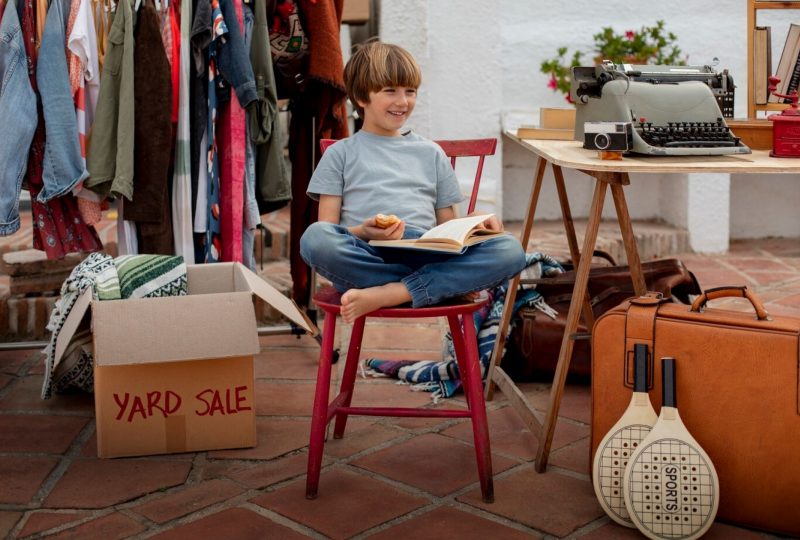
[380, 170]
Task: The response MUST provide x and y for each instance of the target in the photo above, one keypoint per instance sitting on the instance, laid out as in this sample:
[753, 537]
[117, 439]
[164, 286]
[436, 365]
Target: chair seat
[330, 301]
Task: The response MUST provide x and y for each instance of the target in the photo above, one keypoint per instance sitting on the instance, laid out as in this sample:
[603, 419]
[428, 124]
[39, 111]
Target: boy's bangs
[399, 71]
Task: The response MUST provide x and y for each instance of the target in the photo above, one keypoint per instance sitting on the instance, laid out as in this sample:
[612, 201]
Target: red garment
[175, 61]
[231, 140]
[58, 228]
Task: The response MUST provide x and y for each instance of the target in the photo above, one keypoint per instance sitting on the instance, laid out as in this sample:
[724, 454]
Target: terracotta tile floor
[387, 478]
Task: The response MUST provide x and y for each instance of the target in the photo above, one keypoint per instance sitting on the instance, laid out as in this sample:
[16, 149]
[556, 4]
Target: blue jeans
[62, 166]
[17, 116]
[351, 263]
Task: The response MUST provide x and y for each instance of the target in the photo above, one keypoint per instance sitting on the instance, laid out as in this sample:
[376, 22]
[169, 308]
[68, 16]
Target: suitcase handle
[731, 292]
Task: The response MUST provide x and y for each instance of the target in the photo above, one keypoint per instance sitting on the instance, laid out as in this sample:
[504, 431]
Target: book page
[455, 229]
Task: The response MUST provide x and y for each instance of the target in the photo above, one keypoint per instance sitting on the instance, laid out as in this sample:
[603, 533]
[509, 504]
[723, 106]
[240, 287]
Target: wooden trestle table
[607, 173]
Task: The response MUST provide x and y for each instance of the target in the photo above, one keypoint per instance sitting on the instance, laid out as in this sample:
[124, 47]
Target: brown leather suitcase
[738, 382]
[535, 341]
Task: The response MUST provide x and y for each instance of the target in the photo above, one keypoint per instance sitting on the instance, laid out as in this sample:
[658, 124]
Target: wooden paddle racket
[671, 487]
[616, 448]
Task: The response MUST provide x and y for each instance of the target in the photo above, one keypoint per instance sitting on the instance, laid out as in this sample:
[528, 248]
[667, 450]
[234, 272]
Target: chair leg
[458, 346]
[349, 375]
[480, 426]
[319, 414]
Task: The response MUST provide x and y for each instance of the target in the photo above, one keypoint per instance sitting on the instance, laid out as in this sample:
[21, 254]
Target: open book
[452, 236]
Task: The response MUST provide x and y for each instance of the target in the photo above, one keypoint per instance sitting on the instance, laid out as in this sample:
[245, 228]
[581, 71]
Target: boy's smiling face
[388, 109]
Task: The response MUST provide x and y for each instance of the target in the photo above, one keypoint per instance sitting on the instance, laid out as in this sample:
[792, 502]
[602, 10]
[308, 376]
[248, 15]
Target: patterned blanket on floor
[442, 377]
[127, 276]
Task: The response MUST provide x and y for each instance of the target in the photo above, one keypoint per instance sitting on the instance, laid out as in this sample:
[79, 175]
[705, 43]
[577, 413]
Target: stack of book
[788, 70]
[554, 124]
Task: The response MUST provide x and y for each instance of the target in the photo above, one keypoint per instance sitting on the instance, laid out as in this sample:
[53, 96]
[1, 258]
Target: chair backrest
[479, 148]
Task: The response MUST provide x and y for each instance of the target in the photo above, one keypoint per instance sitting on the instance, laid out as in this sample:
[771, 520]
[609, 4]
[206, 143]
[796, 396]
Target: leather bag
[535, 341]
[737, 392]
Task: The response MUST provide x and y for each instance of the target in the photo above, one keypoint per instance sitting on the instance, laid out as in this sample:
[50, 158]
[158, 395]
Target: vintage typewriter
[670, 114]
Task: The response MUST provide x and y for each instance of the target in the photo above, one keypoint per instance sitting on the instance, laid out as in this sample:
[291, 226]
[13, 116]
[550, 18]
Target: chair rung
[335, 405]
[404, 411]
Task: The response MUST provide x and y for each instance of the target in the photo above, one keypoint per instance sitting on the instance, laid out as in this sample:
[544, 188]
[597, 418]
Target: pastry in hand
[384, 222]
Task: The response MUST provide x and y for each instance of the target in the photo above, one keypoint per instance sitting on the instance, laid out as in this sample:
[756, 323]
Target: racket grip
[640, 367]
[669, 391]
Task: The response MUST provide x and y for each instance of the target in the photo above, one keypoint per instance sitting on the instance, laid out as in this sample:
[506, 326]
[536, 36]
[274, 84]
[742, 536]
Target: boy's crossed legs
[372, 278]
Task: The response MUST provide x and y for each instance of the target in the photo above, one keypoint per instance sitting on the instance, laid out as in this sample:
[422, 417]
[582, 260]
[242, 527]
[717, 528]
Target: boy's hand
[492, 223]
[373, 232]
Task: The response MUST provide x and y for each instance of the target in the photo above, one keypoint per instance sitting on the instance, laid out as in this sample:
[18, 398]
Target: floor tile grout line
[284, 520]
[450, 499]
[94, 514]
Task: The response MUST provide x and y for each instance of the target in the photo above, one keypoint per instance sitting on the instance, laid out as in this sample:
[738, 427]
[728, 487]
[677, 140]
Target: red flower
[552, 84]
[569, 99]
[630, 35]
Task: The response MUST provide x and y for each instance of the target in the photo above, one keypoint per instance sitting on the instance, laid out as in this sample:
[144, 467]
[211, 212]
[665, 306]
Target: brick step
[654, 240]
[25, 319]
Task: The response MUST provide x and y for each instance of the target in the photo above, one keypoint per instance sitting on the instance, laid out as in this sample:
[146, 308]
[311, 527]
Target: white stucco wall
[480, 66]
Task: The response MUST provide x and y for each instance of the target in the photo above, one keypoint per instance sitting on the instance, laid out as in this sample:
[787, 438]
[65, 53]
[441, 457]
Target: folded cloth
[128, 276]
[441, 377]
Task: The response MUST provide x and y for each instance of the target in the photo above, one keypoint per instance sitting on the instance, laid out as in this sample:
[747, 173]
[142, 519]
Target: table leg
[567, 343]
[572, 240]
[628, 239]
[511, 294]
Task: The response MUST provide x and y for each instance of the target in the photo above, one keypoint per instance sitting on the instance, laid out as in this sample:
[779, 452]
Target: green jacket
[110, 158]
[273, 189]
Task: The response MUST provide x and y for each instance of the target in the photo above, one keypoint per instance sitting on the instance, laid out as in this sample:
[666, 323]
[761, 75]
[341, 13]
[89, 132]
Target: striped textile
[144, 276]
[441, 377]
[84, 78]
[128, 276]
[182, 177]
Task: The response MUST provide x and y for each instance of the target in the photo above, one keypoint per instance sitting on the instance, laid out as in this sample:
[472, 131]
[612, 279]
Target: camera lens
[602, 141]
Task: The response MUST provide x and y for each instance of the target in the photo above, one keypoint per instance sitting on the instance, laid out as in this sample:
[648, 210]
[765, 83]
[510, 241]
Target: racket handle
[640, 367]
[669, 392]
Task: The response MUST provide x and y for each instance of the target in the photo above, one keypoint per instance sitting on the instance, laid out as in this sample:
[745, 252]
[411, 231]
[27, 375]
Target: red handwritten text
[213, 401]
[167, 403]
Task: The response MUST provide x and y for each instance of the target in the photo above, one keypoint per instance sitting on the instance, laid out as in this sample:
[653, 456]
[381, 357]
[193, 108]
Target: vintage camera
[608, 136]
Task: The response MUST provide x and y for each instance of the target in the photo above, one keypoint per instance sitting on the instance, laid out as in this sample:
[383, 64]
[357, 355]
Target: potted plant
[649, 45]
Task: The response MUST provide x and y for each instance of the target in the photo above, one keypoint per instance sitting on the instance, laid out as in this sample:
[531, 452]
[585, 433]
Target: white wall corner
[673, 200]
[708, 212]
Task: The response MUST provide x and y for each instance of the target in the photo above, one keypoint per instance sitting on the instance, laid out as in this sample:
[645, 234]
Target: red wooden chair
[465, 344]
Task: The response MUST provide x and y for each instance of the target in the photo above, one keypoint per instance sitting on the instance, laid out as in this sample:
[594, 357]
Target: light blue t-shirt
[409, 176]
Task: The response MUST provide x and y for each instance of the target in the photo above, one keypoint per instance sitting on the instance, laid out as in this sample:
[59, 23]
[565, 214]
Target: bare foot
[358, 302]
[473, 296]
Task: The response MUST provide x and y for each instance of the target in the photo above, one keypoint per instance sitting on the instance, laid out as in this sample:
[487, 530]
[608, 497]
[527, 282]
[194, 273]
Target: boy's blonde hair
[375, 65]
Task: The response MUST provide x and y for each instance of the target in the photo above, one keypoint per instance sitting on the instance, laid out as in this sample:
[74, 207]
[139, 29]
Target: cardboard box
[355, 11]
[175, 374]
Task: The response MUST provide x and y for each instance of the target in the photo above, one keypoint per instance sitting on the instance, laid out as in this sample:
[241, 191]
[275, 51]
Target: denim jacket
[63, 165]
[17, 116]
[233, 60]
